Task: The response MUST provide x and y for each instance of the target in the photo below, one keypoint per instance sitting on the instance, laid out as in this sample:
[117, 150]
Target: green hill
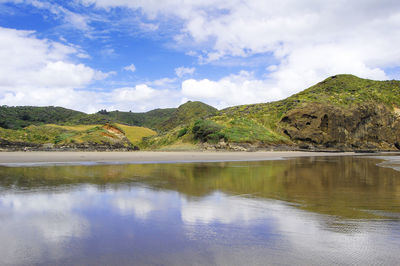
[23, 116]
[343, 112]
[343, 91]
[187, 113]
[152, 119]
[88, 137]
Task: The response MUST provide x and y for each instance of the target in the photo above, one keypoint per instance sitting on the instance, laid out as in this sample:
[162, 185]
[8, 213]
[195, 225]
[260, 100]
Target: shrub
[182, 132]
[207, 131]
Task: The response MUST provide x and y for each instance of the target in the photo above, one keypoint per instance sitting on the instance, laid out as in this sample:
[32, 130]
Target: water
[305, 211]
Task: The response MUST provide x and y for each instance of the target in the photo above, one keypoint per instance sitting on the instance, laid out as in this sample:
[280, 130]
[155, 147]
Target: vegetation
[320, 187]
[78, 134]
[135, 134]
[23, 116]
[152, 119]
[207, 131]
[243, 130]
[187, 113]
[341, 90]
[193, 122]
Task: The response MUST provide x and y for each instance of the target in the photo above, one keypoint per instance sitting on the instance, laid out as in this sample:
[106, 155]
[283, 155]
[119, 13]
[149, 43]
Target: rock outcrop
[363, 127]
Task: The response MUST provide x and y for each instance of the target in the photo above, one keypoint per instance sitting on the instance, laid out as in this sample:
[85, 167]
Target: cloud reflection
[222, 209]
[304, 231]
[37, 224]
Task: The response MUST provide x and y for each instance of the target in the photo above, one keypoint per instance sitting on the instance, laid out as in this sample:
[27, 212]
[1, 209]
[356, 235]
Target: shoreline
[56, 158]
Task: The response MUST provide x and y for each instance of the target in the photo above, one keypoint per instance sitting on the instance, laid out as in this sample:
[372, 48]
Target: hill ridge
[342, 112]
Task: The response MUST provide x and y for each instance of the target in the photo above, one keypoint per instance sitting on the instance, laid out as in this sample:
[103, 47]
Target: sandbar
[40, 158]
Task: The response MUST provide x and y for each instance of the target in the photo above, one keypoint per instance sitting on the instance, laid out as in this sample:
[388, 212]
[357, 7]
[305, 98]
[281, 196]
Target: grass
[75, 134]
[135, 134]
[243, 130]
[261, 122]
[254, 123]
[187, 113]
[344, 91]
[74, 127]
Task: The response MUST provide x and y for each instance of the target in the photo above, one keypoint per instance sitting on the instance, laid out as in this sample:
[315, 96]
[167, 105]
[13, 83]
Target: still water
[302, 211]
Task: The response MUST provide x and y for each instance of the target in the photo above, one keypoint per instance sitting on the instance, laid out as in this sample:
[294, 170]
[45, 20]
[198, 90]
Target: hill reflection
[350, 187]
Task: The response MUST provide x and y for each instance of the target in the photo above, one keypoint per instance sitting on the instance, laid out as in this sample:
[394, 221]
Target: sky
[138, 55]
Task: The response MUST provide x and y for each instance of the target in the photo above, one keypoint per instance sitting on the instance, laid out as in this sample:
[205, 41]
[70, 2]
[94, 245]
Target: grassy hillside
[340, 90]
[152, 119]
[77, 134]
[135, 134]
[188, 112]
[261, 123]
[343, 111]
[22, 116]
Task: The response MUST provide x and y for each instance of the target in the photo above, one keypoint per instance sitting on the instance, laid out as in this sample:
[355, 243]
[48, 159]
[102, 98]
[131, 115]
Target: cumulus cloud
[182, 71]
[306, 40]
[310, 39]
[41, 72]
[234, 89]
[141, 98]
[131, 68]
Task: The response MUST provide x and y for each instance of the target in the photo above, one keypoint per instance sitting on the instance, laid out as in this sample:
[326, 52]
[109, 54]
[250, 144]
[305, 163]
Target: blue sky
[140, 55]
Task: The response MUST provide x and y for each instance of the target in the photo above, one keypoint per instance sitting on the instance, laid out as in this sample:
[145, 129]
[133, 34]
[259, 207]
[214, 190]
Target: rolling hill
[343, 112]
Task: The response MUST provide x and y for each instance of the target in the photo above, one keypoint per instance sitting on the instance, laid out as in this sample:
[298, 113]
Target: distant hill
[19, 117]
[23, 116]
[158, 119]
[86, 137]
[343, 112]
[188, 112]
[152, 119]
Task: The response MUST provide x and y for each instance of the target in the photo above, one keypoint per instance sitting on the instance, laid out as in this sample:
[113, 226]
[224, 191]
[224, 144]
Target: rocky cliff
[363, 127]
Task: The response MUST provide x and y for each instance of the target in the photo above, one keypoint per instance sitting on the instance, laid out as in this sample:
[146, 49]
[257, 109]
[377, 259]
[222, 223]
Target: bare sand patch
[9, 158]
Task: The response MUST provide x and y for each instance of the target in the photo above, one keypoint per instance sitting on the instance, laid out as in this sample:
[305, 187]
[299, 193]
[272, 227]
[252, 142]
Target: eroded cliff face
[362, 127]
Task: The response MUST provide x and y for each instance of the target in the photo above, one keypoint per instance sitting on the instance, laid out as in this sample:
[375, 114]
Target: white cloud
[41, 72]
[148, 26]
[309, 39]
[70, 19]
[141, 98]
[231, 90]
[131, 68]
[182, 71]
[163, 83]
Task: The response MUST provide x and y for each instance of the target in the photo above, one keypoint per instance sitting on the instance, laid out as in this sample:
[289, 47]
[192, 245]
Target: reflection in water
[306, 211]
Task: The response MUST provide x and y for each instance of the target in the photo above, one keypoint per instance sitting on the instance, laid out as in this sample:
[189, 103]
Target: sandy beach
[10, 158]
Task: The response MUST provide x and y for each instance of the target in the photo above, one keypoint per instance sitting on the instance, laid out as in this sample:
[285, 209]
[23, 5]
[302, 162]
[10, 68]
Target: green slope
[341, 112]
[152, 119]
[361, 113]
[22, 116]
[188, 112]
[75, 136]
[341, 90]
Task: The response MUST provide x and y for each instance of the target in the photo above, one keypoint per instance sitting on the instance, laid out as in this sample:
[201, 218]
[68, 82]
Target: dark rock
[362, 127]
